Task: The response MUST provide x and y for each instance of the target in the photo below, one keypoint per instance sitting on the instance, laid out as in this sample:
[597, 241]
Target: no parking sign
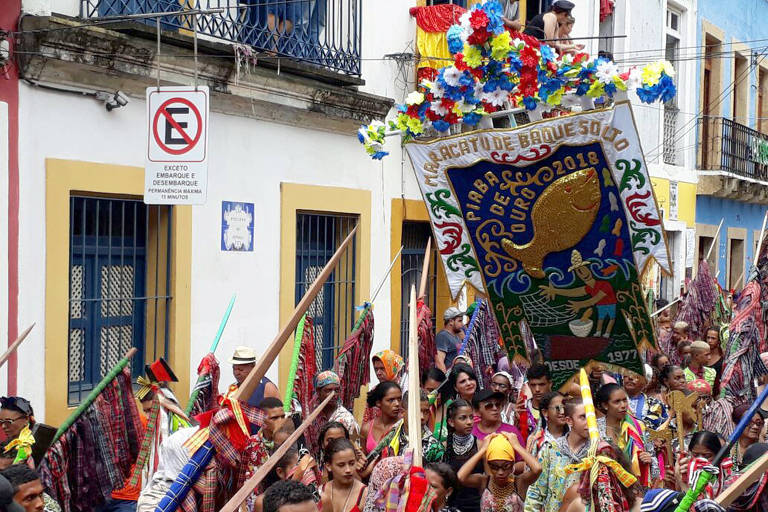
[176, 169]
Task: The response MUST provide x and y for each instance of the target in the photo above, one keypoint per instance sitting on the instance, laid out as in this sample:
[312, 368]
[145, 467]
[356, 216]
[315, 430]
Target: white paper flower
[438, 108]
[606, 71]
[635, 78]
[464, 21]
[438, 91]
[451, 75]
[376, 125]
[414, 98]
[497, 97]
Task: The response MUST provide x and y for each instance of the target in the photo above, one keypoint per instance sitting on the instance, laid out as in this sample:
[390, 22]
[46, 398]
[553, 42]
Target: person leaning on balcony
[564, 33]
[544, 27]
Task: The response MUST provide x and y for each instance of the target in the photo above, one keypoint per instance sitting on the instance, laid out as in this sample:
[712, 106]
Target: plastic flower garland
[492, 68]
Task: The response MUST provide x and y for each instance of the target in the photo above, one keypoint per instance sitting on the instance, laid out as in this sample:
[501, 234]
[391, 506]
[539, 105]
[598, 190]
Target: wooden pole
[665, 307]
[414, 409]
[386, 274]
[425, 270]
[251, 382]
[14, 345]
[750, 476]
[250, 484]
[760, 240]
[714, 240]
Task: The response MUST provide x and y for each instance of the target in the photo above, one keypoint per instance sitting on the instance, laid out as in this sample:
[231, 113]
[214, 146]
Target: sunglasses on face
[491, 405]
[557, 408]
[500, 466]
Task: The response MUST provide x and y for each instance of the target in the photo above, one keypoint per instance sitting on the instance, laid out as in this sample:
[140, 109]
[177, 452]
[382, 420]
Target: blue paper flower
[472, 118]
[667, 87]
[547, 53]
[529, 102]
[440, 125]
[379, 155]
[455, 43]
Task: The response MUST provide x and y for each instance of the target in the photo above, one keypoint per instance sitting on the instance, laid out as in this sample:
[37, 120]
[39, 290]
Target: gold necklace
[500, 494]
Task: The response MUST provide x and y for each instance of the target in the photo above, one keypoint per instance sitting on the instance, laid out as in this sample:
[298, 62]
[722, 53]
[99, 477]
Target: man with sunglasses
[487, 404]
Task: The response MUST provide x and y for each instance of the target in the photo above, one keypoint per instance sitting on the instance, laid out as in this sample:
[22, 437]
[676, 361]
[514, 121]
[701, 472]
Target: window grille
[415, 236]
[333, 310]
[119, 293]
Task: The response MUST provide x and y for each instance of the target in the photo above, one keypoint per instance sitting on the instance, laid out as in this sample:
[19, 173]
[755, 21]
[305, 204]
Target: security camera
[119, 99]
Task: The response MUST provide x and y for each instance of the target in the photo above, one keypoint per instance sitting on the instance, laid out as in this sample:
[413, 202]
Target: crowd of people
[516, 445]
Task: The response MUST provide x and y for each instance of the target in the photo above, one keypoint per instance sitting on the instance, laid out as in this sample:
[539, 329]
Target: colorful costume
[547, 492]
[633, 440]
[503, 499]
[649, 410]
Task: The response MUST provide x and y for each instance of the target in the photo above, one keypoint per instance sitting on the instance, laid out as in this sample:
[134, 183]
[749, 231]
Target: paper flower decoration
[494, 69]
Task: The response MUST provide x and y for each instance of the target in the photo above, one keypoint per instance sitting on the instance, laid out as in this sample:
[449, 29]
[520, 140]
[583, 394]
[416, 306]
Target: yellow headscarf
[500, 449]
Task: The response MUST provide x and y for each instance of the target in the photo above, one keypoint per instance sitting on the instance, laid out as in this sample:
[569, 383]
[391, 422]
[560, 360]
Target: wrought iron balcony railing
[728, 146]
[325, 33]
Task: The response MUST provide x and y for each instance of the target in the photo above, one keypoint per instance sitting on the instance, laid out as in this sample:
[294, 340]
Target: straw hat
[243, 355]
[577, 261]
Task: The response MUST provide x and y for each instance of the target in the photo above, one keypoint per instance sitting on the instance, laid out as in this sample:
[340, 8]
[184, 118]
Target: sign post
[176, 169]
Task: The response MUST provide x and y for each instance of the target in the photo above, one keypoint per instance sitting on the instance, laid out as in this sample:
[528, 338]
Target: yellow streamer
[23, 442]
[624, 476]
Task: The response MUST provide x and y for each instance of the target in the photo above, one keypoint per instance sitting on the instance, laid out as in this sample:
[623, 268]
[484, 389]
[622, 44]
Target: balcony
[733, 160]
[323, 33]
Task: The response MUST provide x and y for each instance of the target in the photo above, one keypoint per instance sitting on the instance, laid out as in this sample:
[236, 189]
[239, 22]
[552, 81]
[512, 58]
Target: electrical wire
[655, 153]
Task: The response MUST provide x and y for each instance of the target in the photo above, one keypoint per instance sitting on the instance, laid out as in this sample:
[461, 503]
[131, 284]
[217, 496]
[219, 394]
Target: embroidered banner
[560, 219]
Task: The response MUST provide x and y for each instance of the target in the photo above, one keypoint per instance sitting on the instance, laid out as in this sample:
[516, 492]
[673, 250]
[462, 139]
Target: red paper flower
[479, 36]
[447, 103]
[413, 111]
[529, 57]
[478, 19]
[451, 118]
[432, 115]
[459, 62]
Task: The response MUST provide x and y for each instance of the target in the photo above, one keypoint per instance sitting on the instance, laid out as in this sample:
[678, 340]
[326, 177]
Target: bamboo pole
[250, 484]
[425, 270]
[251, 382]
[714, 240]
[14, 345]
[95, 393]
[214, 346]
[414, 410]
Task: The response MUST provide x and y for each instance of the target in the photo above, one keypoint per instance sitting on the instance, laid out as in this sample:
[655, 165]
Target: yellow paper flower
[652, 73]
[556, 97]
[500, 46]
[472, 56]
[414, 125]
[619, 83]
[596, 90]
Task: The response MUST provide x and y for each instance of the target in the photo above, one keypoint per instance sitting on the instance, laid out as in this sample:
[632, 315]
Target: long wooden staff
[747, 478]
[425, 270]
[414, 410]
[714, 240]
[250, 484]
[14, 345]
[251, 382]
[93, 395]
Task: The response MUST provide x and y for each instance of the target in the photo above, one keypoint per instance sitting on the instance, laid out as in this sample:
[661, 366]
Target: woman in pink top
[487, 404]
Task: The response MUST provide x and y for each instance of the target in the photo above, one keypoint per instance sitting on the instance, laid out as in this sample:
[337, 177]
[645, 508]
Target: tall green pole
[214, 346]
[95, 393]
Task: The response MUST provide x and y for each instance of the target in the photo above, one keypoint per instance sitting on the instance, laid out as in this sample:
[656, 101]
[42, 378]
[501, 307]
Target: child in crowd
[548, 492]
[443, 481]
[461, 445]
[499, 486]
[344, 492]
